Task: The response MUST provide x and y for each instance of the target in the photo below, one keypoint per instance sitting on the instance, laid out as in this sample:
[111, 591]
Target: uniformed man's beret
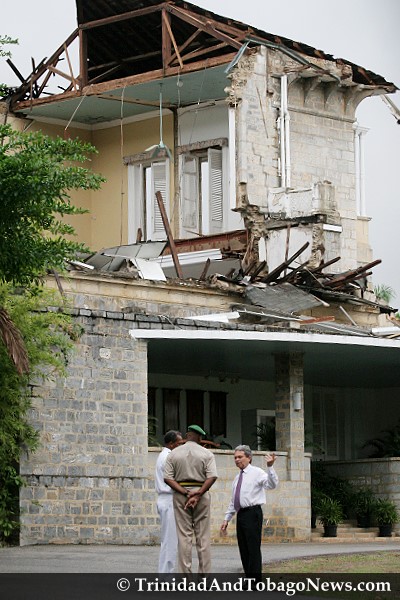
[196, 429]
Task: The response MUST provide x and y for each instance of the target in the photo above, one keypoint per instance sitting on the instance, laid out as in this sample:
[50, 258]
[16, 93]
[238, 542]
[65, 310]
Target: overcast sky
[365, 32]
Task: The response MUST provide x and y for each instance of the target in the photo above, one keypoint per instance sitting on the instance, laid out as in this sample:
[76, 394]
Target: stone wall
[287, 508]
[90, 465]
[92, 479]
[322, 143]
[381, 475]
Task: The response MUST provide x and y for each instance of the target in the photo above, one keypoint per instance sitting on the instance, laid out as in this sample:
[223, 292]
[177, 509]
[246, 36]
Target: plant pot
[313, 521]
[385, 530]
[363, 521]
[330, 530]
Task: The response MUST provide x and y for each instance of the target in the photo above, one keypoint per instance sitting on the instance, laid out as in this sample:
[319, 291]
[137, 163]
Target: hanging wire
[74, 113]
[178, 197]
[122, 163]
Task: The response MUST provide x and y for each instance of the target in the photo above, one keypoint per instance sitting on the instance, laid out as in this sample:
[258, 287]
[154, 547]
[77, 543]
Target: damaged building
[230, 279]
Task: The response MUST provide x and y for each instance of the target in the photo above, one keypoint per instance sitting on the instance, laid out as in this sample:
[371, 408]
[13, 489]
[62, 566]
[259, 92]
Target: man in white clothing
[165, 508]
[248, 494]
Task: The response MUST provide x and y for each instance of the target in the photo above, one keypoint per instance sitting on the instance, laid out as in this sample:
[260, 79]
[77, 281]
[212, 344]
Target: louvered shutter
[160, 183]
[325, 426]
[190, 195]
[215, 189]
[136, 212]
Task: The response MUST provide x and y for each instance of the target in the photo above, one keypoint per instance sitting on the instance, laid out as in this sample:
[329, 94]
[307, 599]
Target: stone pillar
[289, 404]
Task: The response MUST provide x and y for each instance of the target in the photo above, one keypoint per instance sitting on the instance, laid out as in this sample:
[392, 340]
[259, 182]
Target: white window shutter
[135, 202]
[216, 189]
[190, 195]
[160, 183]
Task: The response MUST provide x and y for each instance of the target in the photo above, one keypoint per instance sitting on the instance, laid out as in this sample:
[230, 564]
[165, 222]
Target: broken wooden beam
[276, 272]
[170, 237]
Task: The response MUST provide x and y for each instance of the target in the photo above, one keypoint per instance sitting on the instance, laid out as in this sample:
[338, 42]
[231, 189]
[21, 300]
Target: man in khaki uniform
[190, 470]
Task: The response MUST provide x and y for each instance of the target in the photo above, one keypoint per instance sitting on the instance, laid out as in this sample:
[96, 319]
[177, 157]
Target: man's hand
[192, 501]
[223, 530]
[270, 459]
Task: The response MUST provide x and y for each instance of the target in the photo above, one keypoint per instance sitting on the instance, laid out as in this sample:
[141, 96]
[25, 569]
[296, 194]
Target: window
[171, 409]
[194, 408]
[218, 414]
[202, 192]
[325, 425]
[144, 180]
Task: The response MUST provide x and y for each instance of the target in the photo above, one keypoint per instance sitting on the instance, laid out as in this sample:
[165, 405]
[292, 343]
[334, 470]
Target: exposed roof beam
[209, 26]
[122, 61]
[122, 17]
[167, 24]
[207, 50]
[100, 88]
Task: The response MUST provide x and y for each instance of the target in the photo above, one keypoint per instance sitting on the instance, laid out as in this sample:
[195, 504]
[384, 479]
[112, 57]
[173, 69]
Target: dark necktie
[236, 501]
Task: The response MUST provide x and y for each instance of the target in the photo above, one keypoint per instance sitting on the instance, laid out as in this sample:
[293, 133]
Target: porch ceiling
[325, 364]
[137, 99]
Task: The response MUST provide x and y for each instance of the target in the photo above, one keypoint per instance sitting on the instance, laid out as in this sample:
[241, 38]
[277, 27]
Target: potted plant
[364, 503]
[316, 497]
[386, 515]
[330, 515]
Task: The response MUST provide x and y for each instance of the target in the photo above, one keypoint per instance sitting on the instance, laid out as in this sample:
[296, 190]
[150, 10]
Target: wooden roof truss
[188, 42]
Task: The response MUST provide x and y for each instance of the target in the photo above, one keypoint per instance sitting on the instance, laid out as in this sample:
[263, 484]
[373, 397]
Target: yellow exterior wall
[107, 222]
[110, 204]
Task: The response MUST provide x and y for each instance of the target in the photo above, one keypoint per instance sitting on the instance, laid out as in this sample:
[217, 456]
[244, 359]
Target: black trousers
[248, 530]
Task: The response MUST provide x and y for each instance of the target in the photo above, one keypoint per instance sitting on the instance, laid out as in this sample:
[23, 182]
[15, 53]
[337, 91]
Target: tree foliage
[48, 337]
[4, 41]
[36, 175]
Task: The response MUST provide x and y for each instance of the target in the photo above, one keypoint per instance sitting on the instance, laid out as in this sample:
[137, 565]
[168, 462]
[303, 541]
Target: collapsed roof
[128, 46]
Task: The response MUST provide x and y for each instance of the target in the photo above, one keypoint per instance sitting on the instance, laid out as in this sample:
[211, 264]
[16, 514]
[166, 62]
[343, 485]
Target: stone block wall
[286, 511]
[381, 475]
[92, 479]
[322, 143]
[85, 483]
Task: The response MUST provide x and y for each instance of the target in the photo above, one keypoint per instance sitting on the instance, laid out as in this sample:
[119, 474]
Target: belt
[250, 507]
[191, 483]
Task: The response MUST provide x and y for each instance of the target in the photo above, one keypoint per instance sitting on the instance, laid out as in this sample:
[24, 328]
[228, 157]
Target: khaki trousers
[193, 520]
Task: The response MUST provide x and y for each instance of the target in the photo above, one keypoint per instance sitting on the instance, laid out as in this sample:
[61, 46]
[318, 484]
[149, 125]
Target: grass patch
[363, 567]
[368, 562]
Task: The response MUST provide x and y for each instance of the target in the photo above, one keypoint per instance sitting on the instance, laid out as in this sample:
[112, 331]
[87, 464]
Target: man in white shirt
[165, 509]
[248, 494]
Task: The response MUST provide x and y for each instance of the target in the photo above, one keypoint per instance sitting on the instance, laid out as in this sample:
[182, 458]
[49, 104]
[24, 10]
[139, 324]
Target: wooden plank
[42, 68]
[322, 266]
[316, 320]
[166, 40]
[74, 82]
[83, 58]
[132, 14]
[205, 270]
[344, 277]
[197, 53]
[166, 22]
[196, 21]
[276, 272]
[170, 237]
[190, 39]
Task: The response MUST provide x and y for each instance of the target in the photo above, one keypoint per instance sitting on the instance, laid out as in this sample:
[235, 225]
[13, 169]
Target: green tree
[48, 336]
[4, 40]
[384, 292]
[36, 176]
